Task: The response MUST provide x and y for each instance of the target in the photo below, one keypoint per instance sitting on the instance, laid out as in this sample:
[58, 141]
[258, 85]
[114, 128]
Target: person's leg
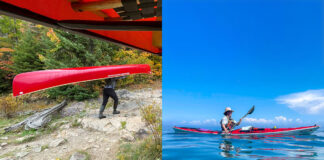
[114, 96]
[104, 103]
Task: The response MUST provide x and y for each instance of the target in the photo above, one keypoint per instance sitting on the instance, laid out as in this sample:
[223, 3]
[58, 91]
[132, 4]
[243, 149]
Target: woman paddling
[227, 122]
[109, 91]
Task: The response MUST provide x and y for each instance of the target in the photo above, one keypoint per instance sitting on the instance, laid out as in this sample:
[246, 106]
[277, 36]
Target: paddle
[249, 112]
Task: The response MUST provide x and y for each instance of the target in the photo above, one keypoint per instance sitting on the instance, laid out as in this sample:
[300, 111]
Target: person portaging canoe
[227, 123]
[109, 91]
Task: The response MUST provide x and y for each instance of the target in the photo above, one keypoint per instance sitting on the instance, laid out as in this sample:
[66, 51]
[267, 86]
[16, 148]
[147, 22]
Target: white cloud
[256, 120]
[281, 119]
[207, 121]
[184, 122]
[210, 121]
[194, 122]
[310, 102]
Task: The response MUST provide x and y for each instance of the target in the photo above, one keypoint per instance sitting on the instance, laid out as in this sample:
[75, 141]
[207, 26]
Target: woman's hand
[239, 122]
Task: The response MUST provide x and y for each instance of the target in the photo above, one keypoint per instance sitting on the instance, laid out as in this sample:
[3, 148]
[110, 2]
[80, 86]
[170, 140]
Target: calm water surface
[205, 146]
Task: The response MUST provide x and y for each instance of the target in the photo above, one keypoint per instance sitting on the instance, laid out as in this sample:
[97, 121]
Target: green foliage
[123, 124]
[27, 53]
[9, 31]
[124, 56]
[28, 47]
[9, 35]
[72, 92]
[28, 132]
[5, 83]
[9, 105]
[75, 123]
[27, 139]
[152, 116]
[72, 50]
[145, 150]
[151, 147]
[44, 147]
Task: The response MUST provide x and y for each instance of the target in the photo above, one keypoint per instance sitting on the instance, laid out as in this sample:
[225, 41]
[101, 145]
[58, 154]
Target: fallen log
[38, 119]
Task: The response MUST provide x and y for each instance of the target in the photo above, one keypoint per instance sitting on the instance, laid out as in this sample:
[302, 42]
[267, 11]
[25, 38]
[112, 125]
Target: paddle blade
[251, 110]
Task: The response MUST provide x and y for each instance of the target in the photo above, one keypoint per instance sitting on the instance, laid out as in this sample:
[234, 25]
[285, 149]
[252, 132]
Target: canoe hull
[255, 131]
[39, 80]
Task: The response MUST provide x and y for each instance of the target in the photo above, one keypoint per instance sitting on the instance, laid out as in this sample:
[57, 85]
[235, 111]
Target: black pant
[109, 92]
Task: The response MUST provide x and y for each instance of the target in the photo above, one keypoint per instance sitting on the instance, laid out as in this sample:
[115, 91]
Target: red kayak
[38, 80]
[253, 131]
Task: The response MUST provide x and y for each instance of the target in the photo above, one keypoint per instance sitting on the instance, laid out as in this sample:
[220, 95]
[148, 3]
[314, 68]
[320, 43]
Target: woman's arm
[225, 129]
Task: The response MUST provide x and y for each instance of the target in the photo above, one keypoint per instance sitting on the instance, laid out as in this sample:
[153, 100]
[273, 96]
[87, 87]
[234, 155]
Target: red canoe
[254, 131]
[38, 80]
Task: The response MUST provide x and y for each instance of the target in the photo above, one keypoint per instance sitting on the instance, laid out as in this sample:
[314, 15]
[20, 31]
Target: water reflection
[262, 147]
[202, 146]
[226, 148]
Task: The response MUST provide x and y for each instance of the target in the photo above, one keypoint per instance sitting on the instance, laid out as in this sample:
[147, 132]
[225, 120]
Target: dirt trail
[82, 131]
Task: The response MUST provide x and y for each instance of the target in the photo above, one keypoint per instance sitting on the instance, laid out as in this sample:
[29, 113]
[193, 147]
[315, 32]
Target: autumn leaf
[6, 50]
[51, 34]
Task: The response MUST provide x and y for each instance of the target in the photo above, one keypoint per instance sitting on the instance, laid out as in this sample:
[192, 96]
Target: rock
[37, 149]
[116, 122]
[73, 134]
[128, 106]
[65, 126]
[73, 109]
[25, 146]
[21, 139]
[103, 125]
[127, 137]
[86, 148]
[134, 124]
[3, 138]
[107, 149]
[91, 140]
[95, 146]
[6, 158]
[3, 144]
[141, 134]
[57, 142]
[122, 92]
[78, 156]
[21, 154]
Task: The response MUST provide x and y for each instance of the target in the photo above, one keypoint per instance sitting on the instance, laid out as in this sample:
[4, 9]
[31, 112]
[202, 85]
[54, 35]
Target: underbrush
[11, 106]
[151, 147]
[145, 150]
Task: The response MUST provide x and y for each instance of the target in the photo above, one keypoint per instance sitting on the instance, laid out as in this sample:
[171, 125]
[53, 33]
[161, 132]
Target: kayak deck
[253, 131]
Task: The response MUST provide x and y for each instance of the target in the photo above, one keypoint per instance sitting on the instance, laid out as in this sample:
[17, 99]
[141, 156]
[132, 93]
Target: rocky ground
[78, 133]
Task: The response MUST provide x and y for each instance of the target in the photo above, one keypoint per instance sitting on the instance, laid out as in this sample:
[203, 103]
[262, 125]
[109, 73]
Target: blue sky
[239, 53]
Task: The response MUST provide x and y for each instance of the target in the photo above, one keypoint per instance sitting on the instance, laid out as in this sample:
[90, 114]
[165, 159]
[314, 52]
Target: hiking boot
[101, 116]
[116, 112]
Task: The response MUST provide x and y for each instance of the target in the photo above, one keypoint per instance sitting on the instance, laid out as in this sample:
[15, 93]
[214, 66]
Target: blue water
[205, 146]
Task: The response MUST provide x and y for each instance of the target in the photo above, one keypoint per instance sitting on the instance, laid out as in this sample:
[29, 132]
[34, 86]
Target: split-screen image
[90, 80]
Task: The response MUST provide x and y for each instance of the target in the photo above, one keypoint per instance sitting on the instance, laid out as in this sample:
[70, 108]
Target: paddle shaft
[250, 112]
[244, 116]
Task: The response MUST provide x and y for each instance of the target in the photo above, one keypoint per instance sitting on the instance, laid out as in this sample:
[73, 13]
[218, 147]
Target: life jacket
[229, 125]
